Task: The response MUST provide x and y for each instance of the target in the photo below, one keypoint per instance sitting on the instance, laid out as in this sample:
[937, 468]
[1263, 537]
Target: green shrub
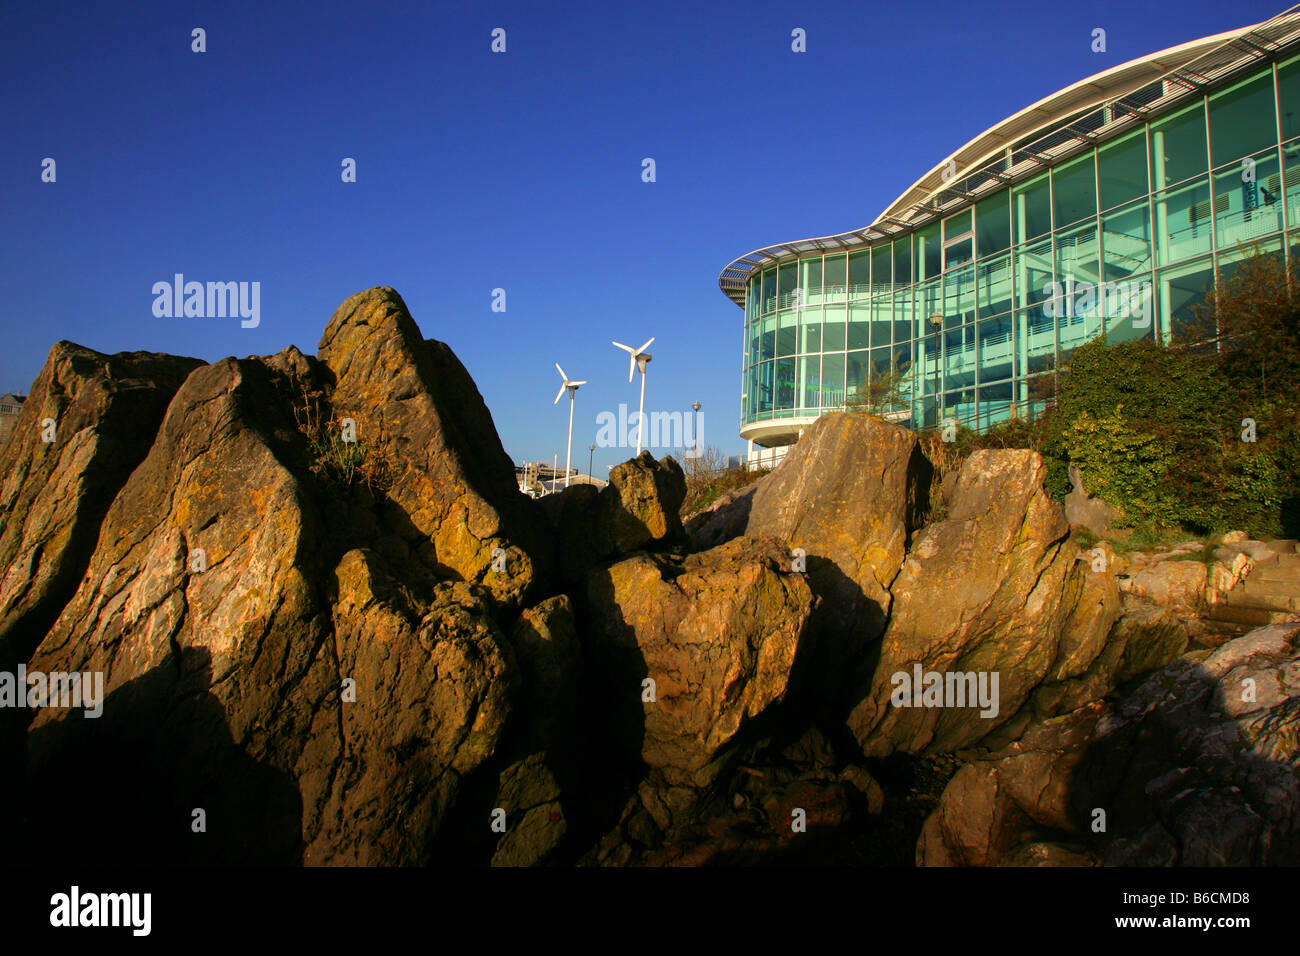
[1122, 465]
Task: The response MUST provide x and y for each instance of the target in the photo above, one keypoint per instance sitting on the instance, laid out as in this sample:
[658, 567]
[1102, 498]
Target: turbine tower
[639, 359]
[573, 388]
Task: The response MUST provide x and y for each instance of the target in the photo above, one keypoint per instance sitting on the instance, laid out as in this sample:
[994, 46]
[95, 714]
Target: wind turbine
[639, 359]
[573, 388]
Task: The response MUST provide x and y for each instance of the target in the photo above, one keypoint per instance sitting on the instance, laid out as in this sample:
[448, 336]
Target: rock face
[104, 409]
[1083, 510]
[454, 496]
[848, 494]
[996, 589]
[717, 634]
[639, 508]
[1195, 767]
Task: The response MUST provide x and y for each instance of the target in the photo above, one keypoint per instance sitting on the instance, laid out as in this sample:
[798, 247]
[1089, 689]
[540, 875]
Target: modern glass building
[1110, 205]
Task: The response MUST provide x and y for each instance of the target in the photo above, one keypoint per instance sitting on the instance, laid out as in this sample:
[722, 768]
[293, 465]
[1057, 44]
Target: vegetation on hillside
[708, 478]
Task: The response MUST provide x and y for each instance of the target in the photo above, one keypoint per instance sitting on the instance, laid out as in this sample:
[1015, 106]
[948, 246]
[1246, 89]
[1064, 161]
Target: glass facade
[981, 307]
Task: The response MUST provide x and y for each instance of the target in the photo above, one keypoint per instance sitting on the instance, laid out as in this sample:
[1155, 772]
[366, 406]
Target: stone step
[1275, 572]
[1272, 602]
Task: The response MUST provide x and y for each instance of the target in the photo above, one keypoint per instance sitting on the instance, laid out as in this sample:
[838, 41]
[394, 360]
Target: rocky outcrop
[453, 499]
[99, 413]
[996, 590]
[1084, 510]
[639, 508]
[696, 651]
[1194, 767]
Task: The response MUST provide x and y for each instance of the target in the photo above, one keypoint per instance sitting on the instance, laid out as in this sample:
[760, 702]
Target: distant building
[10, 406]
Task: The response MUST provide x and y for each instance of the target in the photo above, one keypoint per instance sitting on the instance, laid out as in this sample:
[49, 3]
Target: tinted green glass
[787, 282]
[1182, 288]
[993, 285]
[859, 325]
[1178, 147]
[810, 381]
[835, 274]
[1248, 200]
[1288, 94]
[811, 280]
[996, 350]
[1032, 208]
[927, 250]
[1126, 241]
[860, 274]
[881, 316]
[833, 329]
[833, 380]
[785, 384]
[882, 268]
[855, 374]
[1077, 254]
[1074, 191]
[810, 330]
[787, 336]
[956, 225]
[1122, 169]
[993, 224]
[903, 260]
[1183, 221]
[1243, 120]
[769, 290]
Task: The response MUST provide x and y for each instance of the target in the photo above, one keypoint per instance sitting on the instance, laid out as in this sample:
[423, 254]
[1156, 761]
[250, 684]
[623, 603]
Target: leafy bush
[1122, 465]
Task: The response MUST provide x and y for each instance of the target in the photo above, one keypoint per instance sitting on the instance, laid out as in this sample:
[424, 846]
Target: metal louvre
[1055, 140]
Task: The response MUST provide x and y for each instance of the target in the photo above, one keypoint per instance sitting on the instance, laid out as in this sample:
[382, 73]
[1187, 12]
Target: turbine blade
[557, 396]
[631, 366]
[647, 344]
[561, 371]
[625, 348]
[576, 384]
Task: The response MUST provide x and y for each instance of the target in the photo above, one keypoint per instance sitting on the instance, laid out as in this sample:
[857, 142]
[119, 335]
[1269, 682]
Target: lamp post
[695, 431]
[936, 320]
[591, 452]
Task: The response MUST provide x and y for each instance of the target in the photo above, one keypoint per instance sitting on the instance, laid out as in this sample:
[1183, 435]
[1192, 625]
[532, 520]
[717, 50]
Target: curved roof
[1043, 133]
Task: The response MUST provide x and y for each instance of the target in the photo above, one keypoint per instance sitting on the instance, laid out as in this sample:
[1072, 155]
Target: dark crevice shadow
[121, 789]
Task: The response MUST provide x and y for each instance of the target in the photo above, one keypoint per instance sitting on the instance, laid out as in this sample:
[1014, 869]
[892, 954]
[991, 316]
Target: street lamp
[591, 451]
[695, 407]
[936, 320]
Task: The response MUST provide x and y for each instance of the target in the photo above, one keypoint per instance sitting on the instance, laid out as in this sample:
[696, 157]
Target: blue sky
[478, 171]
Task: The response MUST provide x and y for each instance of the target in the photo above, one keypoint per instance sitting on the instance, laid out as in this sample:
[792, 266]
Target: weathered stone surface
[639, 508]
[849, 494]
[209, 584]
[1196, 767]
[1083, 510]
[723, 520]
[106, 409]
[996, 588]
[535, 824]
[1179, 585]
[717, 633]
[455, 495]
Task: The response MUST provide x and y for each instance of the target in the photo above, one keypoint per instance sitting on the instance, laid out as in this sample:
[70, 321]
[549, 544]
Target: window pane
[810, 381]
[860, 274]
[769, 337]
[835, 278]
[903, 261]
[1247, 200]
[995, 349]
[855, 376]
[1076, 255]
[1129, 308]
[812, 281]
[1033, 273]
[1122, 169]
[785, 384]
[956, 225]
[787, 337]
[859, 325]
[959, 295]
[833, 380]
[927, 300]
[833, 329]
[769, 290]
[993, 285]
[1178, 147]
[902, 318]
[993, 224]
[787, 281]
[926, 247]
[881, 316]
[881, 269]
[1291, 156]
[1074, 192]
[1033, 208]
[1183, 221]
[1182, 289]
[1126, 241]
[811, 330]
[1243, 120]
[1288, 89]
[765, 387]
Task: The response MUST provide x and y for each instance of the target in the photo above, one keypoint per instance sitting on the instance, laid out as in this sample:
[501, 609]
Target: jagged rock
[535, 824]
[723, 520]
[1083, 510]
[717, 633]
[454, 497]
[848, 494]
[209, 584]
[1194, 767]
[638, 508]
[106, 409]
[996, 589]
[1179, 585]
